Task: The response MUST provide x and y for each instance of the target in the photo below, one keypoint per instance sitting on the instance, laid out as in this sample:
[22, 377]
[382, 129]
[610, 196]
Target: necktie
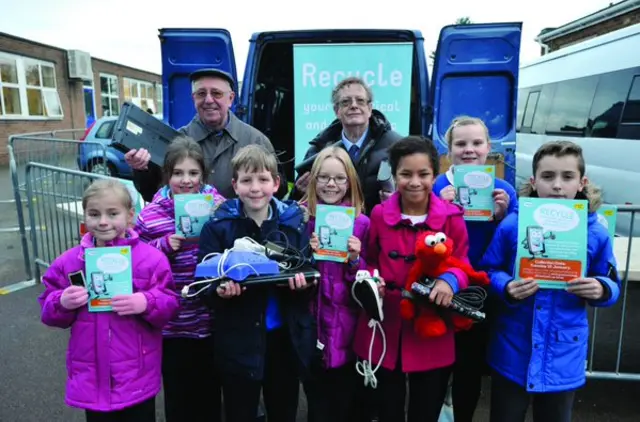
[353, 152]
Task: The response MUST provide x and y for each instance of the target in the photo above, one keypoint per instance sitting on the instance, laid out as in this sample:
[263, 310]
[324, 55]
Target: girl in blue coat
[538, 343]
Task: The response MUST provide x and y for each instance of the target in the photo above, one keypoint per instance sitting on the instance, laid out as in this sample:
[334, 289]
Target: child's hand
[522, 289]
[73, 297]
[354, 246]
[299, 283]
[441, 293]
[230, 289]
[586, 288]
[448, 194]
[175, 241]
[501, 203]
[314, 242]
[129, 304]
[381, 286]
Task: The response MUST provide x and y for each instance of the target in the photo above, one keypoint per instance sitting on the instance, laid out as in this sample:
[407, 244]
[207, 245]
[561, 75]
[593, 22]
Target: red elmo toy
[433, 258]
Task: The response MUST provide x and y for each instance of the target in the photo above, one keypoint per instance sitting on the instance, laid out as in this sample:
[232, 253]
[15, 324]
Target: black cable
[467, 302]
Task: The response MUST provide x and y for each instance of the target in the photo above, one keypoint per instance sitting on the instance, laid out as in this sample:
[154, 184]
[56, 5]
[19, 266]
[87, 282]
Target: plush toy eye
[440, 237]
[430, 240]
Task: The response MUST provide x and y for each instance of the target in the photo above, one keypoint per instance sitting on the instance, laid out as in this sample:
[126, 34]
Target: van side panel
[423, 82]
[476, 74]
[185, 50]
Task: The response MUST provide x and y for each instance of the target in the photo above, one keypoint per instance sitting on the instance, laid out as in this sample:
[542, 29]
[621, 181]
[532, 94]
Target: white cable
[364, 367]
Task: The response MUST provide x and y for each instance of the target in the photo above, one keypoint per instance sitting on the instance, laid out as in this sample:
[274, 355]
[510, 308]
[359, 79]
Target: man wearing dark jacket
[218, 131]
[365, 133]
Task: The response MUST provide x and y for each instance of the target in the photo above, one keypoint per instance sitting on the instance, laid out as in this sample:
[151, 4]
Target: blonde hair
[465, 121]
[101, 186]
[354, 192]
[254, 158]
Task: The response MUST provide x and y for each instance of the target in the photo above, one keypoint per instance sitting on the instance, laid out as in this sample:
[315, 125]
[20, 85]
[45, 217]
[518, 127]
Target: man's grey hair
[335, 94]
[193, 84]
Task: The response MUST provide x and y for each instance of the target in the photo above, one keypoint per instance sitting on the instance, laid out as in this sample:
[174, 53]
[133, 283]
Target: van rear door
[185, 50]
[476, 74]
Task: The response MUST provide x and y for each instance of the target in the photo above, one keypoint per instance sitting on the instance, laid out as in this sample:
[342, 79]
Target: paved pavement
[32, 356]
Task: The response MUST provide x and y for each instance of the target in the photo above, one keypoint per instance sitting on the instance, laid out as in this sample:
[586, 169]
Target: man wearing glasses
[218, 131]
[364, 132]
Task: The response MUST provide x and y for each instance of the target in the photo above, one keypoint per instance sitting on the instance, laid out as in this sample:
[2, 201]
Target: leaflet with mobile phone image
[108, 274]
[192, 210]
[474, 187]
[552, 241]
[607, 215]
[334, 225]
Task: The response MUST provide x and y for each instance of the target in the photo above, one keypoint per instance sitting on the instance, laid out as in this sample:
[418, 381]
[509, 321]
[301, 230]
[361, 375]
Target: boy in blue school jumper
[265, 335]
[469, 144]
[539, 339]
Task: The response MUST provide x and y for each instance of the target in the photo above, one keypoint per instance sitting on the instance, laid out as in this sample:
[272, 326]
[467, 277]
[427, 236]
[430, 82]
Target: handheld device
[77, 279]
[535, 240]
[185, 224]
[98, 283]
[324, 236]
[464, 195]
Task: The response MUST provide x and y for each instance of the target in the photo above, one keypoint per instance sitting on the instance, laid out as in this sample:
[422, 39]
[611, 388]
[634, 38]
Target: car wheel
[98, 166]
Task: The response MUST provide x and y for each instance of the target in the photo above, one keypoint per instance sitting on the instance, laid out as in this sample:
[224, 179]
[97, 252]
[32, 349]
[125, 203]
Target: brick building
[615, 16]
[45, 88]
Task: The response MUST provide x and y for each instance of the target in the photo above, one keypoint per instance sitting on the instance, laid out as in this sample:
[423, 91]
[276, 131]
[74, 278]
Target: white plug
[246, 244]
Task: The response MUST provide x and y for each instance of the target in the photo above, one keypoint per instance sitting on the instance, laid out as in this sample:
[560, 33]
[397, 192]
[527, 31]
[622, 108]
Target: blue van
[475, 73]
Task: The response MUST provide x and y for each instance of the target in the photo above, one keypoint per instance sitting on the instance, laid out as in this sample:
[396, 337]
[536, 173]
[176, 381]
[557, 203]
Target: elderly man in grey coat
[215, 127]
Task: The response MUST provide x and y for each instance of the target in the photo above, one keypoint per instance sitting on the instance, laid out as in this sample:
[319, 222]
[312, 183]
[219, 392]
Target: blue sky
[126, 31]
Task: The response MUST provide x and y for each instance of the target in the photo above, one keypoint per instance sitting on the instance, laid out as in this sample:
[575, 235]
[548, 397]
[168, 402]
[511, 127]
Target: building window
[159, 99]
[109, 95]
[29, 89]
[140, 93]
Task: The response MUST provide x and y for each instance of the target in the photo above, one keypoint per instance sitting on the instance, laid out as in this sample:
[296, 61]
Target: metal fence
[60, 149]
[618, 318]
[54, 205]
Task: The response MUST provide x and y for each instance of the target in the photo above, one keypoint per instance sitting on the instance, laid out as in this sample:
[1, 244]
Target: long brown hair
[354, 193]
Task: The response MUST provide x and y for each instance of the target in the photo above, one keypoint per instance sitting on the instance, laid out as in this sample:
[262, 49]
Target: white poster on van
[385, 67]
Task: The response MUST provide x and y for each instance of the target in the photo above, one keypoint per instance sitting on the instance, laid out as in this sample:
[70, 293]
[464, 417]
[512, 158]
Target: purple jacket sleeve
[53, 313]
[148, 236]
[162, 302]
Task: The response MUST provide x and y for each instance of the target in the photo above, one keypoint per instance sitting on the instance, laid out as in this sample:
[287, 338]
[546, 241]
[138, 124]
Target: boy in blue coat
[265, 335]
[538, 342]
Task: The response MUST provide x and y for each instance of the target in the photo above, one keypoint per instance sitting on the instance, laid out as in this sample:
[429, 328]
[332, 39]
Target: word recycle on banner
[385, 67]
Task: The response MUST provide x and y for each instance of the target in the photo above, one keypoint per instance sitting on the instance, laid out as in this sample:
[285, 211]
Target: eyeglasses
[360, 102]
[324, 179]
[202, 94]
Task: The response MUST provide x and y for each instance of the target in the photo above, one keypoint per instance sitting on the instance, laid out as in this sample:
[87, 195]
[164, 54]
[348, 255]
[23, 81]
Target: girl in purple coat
[114, 358]
[186, 365]
[331, 392]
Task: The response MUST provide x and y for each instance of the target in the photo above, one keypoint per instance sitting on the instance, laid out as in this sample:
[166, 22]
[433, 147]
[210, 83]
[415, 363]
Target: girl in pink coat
[114, 357]
[395, 225]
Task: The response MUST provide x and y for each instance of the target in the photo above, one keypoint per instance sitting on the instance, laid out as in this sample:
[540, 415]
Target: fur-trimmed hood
[590, 192]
